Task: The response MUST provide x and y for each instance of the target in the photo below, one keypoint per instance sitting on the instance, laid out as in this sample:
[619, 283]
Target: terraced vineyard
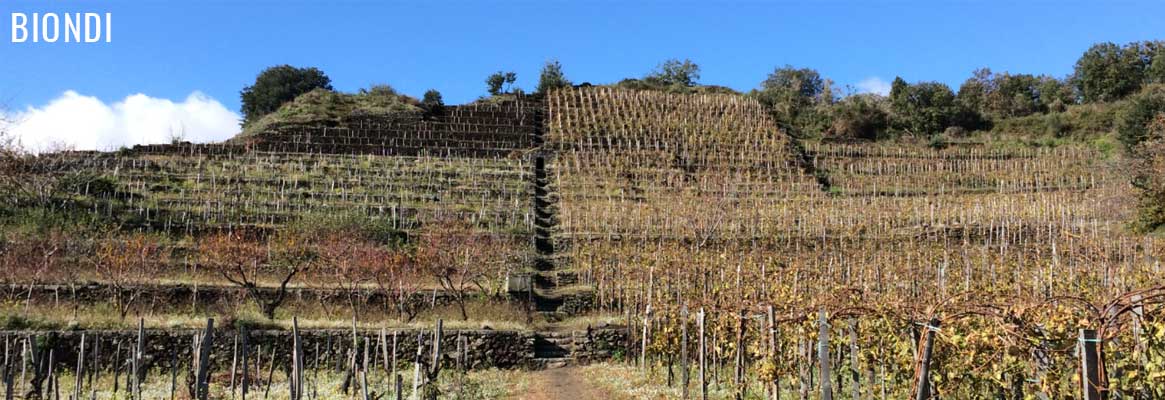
[716, 243]
[267, 189]
[467, 163]
[646, 164]
[475, 130]
[904, 171]
[805, 286]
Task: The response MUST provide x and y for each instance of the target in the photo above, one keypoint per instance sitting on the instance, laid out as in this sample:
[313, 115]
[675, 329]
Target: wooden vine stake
[437, 333]
[923, 378]
[684, 350]
[703, 357]
[855, 374]
[296, 361]
[234, 363]
[80, 373]
[774, 355]
[137, 360]
[1093, 379]
[174, 373]
[823, 355]
[646, 328]
[364, 384]
[417, 366]
[202, 385]
[245, 381]
[738, 366]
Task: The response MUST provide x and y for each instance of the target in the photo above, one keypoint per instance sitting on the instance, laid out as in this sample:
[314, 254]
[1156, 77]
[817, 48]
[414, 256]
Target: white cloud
[874, 84]
[86, 123]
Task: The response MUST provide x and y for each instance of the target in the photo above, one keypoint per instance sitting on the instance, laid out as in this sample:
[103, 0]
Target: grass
[103, 316]
[329, 107]
[625, 382]
[581, 322]
[474, 385]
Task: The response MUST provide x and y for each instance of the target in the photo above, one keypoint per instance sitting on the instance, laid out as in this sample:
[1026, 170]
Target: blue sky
[170, 49]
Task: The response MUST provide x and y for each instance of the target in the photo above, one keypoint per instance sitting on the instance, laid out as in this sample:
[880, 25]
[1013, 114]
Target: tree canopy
[674, 72]
[551, 77]
[1109, 72]
[278, 85]
[500, 82]
[1133, 127]
[925, 108]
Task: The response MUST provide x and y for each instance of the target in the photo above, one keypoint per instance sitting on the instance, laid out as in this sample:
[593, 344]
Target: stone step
[552, 362]
[552, 316]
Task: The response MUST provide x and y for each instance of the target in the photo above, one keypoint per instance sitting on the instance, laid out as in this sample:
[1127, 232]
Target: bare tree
[399, 279]
[241, 261]
[41, 180]
[126, 264]
[351, 264]
[461, 259]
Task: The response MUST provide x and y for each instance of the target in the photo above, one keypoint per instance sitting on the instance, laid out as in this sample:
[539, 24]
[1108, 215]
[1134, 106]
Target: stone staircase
[554, 290]
[545, 276]
[554, 349]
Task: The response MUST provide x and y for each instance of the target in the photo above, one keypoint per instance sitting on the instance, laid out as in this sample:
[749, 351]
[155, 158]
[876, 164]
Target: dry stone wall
[485, 348]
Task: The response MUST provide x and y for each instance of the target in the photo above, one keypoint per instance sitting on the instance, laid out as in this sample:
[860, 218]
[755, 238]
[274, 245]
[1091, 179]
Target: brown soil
[561, 384]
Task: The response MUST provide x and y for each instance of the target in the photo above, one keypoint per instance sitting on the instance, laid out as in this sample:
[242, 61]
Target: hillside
[600, 206]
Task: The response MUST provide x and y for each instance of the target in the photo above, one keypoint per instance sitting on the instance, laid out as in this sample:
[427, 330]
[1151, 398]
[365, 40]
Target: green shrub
[432, 102]
[1148, 162]
[278, 85]
[322, 106]
[863, 116]
[674, 72]
[1083, 122]
[1133, 124]
[551, 78]
[500, 82]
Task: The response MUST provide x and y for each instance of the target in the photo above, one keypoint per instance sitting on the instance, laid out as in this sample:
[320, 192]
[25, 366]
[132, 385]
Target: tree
[461, 259]
[352, 262]
[126, 264]
[432, 102]
[1007, 95]
[500, 82]
[398, 279]
[925, 108]
[9, 146]
[1156, 71]
[804, 84]
[974, 91]
[861, 116]
[239, 259]
[1015, 96]
[1107, 72]
[674, 72]
[278, 85]
[793, 94]
[1148, 167]
[551, 78]
[1133, 125]
[1055, 94]
[34, 259]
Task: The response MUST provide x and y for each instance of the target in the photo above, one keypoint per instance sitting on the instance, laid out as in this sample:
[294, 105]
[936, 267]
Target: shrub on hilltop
[674, 76]
[278, 85]
[551, 78]
[323, 106]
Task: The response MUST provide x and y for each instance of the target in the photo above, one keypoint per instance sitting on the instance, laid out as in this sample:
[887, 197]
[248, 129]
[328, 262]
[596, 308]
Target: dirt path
[561, 384]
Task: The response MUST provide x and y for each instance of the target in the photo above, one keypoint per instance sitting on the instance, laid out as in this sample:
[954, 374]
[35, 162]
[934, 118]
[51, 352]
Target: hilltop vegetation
[326, 107]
